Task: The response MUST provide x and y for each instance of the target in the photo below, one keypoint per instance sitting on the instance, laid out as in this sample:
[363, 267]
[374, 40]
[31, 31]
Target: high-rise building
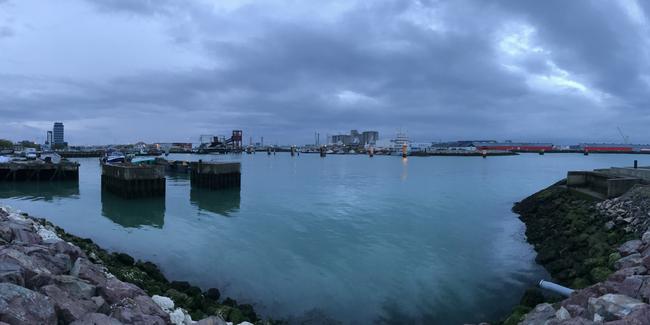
[369, 137]
[356, 138]
[58, 133]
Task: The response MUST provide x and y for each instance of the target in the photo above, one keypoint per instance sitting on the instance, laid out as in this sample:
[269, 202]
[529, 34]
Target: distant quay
[461, 153]
[81, 154]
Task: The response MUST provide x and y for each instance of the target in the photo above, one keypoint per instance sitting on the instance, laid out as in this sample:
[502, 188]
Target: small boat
[51, 157]
[399, 142]
[114, 157]
[143, 160]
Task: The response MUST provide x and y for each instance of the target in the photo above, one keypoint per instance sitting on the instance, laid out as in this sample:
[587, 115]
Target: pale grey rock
[562, 314]
[628, 261]
[613, 306]
[630, 247]
[115, 290]
[540, 315]
[96, 319]
[20, 305]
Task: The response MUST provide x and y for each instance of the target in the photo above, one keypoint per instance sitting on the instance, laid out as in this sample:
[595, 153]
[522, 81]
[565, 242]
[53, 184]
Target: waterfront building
[611, 147]
[356, 138]
[58, 137]
[514, 146]
[369, 137]
[462, 145]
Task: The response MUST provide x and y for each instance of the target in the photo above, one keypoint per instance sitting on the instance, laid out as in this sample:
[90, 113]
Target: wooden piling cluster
[134, 181]
[216, 175]
[39, 171]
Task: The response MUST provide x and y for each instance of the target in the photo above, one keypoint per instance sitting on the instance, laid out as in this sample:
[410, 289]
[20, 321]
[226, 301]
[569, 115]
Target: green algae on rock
[148, 276]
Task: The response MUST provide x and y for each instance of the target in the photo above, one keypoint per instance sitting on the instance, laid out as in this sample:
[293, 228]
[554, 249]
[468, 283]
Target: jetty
[607, 182]
[38, 170]
[134, 181]
[215, 175]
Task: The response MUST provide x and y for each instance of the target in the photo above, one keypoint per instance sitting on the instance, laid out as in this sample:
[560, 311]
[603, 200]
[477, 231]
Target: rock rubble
[622, 297]
[46, 280]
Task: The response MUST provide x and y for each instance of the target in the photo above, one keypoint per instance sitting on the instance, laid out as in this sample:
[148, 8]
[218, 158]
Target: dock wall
[215, 175]
[21, 172]
[605, 184]
[134, 181]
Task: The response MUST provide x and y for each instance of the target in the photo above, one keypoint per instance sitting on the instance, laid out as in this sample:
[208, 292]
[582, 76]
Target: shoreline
[115, 286]
[600, 248]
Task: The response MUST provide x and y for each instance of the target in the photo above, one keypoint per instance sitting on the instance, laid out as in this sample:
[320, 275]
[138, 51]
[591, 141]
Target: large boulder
[19, 305]
[86, 270]
[140, 310]
[115, 290]
[631, 260]
[72, 251]
[96, 319]
[68, 307]
[630, 247]
[540, 315]
[23, 233]
[614, 306]
[76, 287]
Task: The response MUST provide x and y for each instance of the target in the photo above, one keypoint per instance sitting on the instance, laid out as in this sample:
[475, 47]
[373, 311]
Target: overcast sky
[164, 70]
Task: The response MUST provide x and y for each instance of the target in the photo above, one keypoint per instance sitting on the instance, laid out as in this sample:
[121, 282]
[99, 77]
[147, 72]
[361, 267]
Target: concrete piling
[371, 152]
[293, 151]
[134, 181]
[268, 151]
[39, 171]
[541, 153]
[216, 175]
[484, 153]
[404, 150]
[323, 152]
[636, 164]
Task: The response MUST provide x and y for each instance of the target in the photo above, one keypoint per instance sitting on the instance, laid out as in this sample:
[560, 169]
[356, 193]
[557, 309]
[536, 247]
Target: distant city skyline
[167, 71]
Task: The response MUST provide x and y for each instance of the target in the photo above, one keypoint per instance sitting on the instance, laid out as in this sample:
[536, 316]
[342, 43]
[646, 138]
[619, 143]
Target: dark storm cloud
[440, 69]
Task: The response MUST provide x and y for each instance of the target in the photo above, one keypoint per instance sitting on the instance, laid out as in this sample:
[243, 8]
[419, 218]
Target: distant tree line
[8, 144]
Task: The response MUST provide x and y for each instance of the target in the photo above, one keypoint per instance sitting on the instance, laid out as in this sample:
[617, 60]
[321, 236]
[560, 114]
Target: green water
[351, 238]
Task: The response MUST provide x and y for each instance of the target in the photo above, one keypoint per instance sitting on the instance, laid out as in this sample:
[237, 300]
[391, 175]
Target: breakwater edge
[599, 247]
[48, 276]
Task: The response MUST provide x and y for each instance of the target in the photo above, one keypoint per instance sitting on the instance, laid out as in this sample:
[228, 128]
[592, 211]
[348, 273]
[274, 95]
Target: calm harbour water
[351, 238]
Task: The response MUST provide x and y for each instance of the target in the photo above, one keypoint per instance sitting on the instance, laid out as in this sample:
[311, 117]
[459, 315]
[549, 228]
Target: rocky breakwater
[600, 248]
[45, 278]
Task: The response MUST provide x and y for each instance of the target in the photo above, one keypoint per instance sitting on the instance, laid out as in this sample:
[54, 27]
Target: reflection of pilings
[134, 181]
[39, 171]
[221, 202]
[40, 191]
[215, 175]
[134, 213]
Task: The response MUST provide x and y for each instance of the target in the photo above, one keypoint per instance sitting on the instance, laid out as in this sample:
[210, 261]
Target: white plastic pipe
[555, 288]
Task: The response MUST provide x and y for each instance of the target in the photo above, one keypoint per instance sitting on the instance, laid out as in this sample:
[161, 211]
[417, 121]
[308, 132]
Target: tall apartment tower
[58, 133]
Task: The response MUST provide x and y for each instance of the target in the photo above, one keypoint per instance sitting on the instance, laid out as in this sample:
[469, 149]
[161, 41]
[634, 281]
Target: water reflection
[134, 213]
[39, 191]
[175, 176]
[223, 202]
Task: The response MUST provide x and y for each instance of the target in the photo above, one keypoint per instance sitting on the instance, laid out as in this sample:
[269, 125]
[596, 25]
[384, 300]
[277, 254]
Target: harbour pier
[215, 175]
[20, 171]
[134, 181]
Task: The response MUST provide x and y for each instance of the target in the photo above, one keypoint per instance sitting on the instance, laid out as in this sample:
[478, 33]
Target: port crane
[626, 139]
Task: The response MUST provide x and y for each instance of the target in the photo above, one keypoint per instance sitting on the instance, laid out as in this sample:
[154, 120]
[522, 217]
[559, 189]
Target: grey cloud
[283, 76]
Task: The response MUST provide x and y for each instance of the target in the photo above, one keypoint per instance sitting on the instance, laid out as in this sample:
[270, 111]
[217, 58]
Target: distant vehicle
[30, 154]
